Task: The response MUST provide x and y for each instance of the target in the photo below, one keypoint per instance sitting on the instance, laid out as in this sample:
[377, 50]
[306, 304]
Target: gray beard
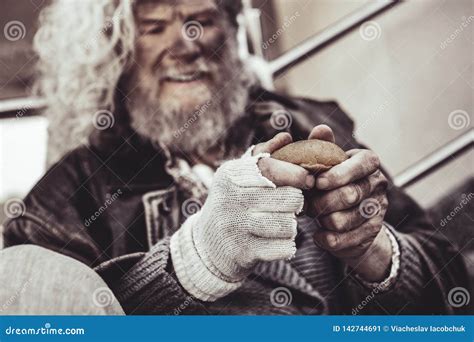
[194, 133]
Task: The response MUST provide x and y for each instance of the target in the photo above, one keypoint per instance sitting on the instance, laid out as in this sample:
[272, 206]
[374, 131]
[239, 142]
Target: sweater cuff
[406, 288]
[190, 270]
[411, 279]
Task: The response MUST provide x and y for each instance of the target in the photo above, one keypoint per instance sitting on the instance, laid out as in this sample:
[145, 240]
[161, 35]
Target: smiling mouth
[184, 78]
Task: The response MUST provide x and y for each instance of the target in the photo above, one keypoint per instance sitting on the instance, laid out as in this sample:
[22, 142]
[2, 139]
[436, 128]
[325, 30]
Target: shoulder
[62, 186]
[71, 169]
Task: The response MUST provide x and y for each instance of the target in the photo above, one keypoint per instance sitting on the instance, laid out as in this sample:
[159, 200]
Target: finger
[354, 252]
[360, 165]
[354, 151]
[283, 199]
[273, 249]
[333, 241]
[342, 221]
[273, 225]
[278, 141]
[322, 132]
[347, 196]
[286, 174]
[374, 206]
[378, 182]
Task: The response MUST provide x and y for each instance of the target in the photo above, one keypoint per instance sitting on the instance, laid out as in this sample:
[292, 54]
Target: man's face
[178, 41]
[187, 85]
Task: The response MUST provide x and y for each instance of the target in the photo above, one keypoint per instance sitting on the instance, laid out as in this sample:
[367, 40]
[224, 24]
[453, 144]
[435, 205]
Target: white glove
[246, 219]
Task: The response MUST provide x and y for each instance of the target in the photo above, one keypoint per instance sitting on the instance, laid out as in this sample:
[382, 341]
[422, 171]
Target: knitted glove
[245, 219]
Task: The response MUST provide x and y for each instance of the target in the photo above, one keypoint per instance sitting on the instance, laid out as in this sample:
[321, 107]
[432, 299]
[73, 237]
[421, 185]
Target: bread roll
[313, 155]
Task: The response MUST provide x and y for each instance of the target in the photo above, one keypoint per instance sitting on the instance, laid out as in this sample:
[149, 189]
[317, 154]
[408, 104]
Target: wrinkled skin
[335, 199]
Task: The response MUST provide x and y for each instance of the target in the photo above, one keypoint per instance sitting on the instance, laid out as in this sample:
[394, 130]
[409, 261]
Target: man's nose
[184, 48]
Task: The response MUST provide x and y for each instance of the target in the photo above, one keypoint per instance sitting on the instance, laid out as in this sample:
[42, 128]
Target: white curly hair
[84, 47]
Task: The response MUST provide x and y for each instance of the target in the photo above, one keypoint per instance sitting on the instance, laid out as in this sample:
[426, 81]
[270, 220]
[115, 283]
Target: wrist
[191, 271]
[375, 264]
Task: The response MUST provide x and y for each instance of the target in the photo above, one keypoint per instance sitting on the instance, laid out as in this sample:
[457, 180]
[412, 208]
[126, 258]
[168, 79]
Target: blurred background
[406, 77]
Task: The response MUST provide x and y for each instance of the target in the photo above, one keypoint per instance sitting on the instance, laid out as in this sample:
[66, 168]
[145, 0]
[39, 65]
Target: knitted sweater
[281, 287]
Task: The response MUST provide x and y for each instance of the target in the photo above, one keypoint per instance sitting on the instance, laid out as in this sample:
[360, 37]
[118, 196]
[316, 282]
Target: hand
[350, 203]
[249, 216]
[279, 172]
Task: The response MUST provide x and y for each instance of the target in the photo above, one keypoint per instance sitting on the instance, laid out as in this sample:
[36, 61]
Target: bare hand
[350, 202]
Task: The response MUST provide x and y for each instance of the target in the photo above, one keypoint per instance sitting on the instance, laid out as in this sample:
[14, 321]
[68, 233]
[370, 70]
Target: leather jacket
[108, 203]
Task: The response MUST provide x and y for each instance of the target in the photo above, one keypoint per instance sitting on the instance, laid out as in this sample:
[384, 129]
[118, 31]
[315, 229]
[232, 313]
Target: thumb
[322, 132]
[278, 141]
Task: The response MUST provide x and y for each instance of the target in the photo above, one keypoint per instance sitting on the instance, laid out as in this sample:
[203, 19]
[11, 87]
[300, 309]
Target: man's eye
[156, 29]
[153, 27]
[206, 22]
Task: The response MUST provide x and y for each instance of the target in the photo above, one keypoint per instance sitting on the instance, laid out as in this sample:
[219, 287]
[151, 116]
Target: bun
[313, 155]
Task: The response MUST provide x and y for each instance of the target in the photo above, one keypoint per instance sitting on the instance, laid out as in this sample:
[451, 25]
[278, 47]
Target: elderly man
[174, 206]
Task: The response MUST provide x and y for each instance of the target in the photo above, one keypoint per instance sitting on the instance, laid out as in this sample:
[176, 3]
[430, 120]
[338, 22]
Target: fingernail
[309, 181]
[352, 196]
[322, 183]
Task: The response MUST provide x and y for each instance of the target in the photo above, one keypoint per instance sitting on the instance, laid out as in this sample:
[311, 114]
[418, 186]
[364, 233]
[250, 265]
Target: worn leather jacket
[108, 204]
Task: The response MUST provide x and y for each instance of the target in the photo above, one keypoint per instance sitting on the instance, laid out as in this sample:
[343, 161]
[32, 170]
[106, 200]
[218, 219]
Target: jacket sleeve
[430, 265]
[51, 217]
[142, 282]
[145, 284]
